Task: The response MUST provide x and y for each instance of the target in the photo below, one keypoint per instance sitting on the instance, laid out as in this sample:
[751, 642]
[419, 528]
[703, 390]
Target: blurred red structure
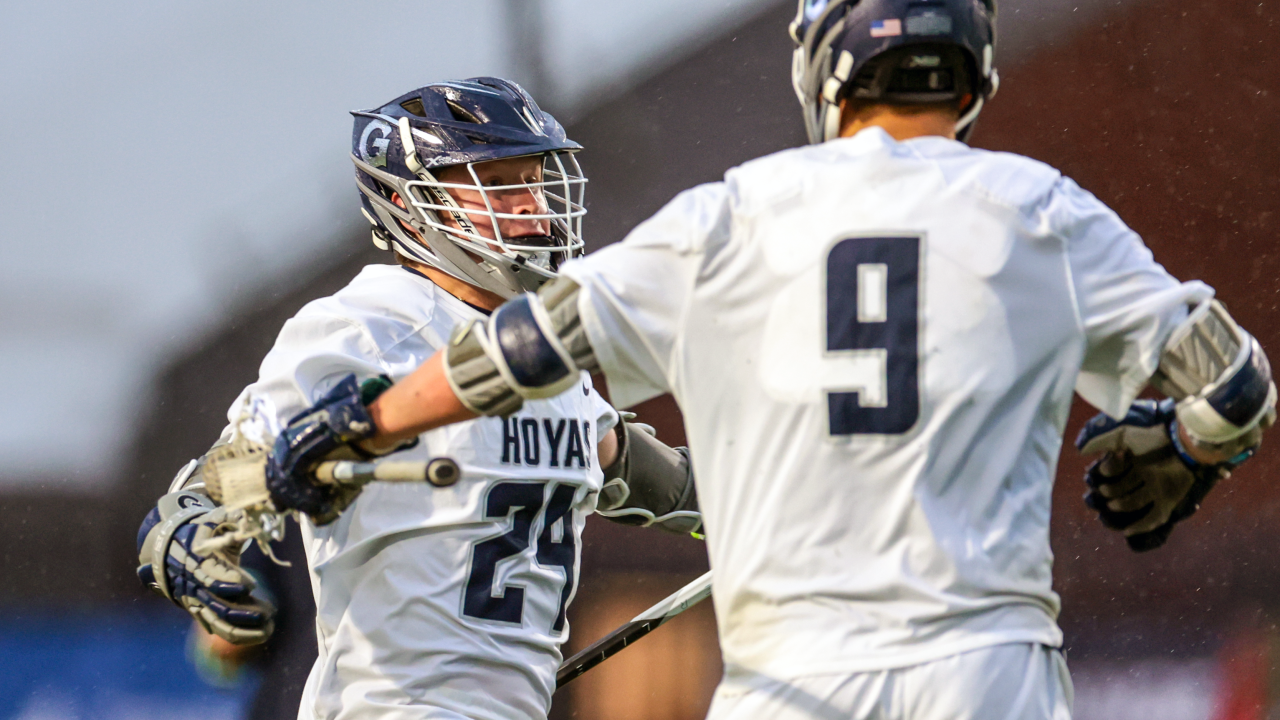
[1244, 670]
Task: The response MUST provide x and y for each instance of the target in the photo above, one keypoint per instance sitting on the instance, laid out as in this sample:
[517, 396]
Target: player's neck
[466, 292]
[900, 125]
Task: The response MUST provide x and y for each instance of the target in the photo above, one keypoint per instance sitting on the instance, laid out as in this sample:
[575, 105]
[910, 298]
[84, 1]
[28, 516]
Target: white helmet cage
[508, 266]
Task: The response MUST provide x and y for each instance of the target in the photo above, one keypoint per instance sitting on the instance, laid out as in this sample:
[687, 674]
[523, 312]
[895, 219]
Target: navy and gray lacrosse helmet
[398, 149]
[892, 51]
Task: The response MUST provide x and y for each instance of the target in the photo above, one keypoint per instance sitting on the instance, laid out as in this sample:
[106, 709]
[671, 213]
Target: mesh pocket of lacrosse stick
[235, 475]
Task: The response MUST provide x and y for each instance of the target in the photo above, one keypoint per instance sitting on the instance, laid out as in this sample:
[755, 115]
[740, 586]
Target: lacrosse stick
[643, 624]
[235, 477]
[440, 471]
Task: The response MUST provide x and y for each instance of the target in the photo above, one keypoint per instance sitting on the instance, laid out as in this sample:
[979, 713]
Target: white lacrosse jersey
[874, 345]
[437, 602]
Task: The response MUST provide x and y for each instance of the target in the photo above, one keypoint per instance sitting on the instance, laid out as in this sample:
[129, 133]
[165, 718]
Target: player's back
[895, 350]
[874, 345]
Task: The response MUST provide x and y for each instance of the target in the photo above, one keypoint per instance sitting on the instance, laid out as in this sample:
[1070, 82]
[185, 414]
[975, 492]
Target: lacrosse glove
[1145, 482]
[181, 558]
[328, 430]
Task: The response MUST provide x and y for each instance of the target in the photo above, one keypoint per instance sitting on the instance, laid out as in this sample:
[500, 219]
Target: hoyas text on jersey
[555, 441]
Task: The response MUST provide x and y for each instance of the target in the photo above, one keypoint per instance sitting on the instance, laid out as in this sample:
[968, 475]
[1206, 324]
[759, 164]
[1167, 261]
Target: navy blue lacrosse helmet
[399, 148]
[895, 52]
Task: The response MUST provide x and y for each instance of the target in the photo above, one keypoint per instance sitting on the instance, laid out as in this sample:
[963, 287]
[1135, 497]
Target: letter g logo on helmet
[378, 145]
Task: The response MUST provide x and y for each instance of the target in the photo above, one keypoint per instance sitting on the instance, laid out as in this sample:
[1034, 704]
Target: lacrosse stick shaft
[441, 471]
[643, 624]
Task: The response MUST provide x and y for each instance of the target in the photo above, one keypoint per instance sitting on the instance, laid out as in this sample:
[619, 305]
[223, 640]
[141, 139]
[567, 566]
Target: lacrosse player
[874, 341]
[432, 602]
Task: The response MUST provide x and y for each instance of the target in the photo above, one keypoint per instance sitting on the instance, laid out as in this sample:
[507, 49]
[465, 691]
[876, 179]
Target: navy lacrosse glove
[328, 430]
[180, 557]
[1145, 482]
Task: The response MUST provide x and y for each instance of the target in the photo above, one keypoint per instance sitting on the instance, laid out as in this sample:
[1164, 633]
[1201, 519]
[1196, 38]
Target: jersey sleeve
[1128, 303]
[312, 353]
[606, 416]
[634, 293]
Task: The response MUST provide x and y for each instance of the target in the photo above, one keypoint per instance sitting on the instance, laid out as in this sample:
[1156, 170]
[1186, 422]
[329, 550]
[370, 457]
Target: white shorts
[1019, 681]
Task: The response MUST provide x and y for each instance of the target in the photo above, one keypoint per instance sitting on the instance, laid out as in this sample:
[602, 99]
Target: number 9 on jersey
[873, 312]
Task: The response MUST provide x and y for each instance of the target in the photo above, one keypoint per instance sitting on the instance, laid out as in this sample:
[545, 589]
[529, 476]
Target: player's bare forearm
[425, 401]
[421, 402]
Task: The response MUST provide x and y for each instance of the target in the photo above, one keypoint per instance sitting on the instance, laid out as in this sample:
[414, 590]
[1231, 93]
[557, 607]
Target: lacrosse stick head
[235, 476]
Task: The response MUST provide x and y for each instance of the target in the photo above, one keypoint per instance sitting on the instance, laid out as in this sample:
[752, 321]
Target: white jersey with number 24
[874, 344]
[437, 603]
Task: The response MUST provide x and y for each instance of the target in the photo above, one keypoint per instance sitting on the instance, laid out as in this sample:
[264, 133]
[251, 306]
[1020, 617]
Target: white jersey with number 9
[875, 345]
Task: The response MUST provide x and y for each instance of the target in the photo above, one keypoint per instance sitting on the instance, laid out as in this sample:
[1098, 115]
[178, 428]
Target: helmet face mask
[454, 130]
[842, 45]
[557, 194]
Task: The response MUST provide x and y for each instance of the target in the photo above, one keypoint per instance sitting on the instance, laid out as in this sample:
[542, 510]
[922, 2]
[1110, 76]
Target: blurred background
[175, 184]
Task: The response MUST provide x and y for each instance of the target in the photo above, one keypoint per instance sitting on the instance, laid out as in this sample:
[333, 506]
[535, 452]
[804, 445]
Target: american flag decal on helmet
[886, 28]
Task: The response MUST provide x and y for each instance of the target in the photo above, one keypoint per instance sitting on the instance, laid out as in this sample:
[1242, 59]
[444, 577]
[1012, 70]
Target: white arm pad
[532, 347]
[1218, 374]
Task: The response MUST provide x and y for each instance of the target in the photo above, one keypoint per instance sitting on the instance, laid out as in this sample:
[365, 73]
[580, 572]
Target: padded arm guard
[650, 484]
[530, 348]
[1220, 378]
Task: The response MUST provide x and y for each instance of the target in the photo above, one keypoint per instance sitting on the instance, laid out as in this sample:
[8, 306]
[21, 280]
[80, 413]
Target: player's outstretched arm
[352, 422]
[423, 401]
[531, 347]
[1163, 458]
